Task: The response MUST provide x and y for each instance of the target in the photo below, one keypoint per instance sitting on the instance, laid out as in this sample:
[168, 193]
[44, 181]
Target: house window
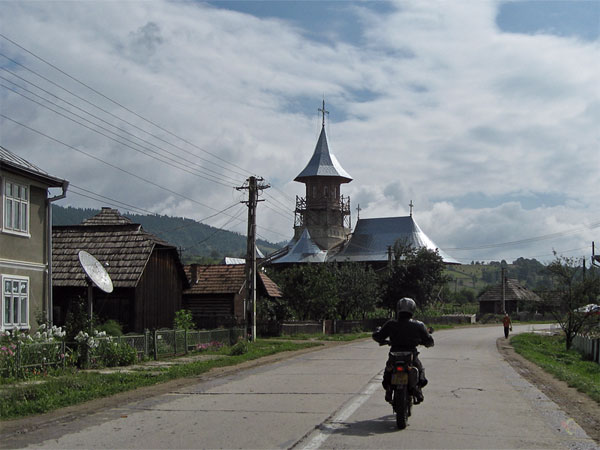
[16, 207]
[326, 191]
[15, 302]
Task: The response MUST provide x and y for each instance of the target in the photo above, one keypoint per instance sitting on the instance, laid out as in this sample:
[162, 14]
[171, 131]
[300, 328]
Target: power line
[219, 230]
[116, 103]
[103, 199]
[234, 181]
[122, 143]
[528, 240]
[107, 163]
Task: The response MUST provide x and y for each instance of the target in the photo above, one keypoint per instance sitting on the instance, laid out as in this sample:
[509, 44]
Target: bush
[239, 349]
[112, 354]
[111, 328]
[183, 320]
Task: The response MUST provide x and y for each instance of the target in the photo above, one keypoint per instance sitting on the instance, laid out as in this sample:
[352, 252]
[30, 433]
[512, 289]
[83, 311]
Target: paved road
[333, 399]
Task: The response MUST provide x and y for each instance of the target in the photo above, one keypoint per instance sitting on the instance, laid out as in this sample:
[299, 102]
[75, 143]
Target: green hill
[476, 277]
[197, 242]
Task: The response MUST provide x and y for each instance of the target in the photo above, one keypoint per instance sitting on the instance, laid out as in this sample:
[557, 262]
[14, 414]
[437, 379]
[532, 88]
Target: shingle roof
[121, 246]
[224, 279]
[513, 292]
[107, 216]
[16, 163]
[323, 163]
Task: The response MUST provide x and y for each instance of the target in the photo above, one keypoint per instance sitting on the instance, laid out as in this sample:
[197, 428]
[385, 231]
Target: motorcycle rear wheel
[401, 407]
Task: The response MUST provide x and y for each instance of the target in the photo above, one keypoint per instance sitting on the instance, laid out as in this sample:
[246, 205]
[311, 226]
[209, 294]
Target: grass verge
[549, 353]
[323, 337]
[35, 397]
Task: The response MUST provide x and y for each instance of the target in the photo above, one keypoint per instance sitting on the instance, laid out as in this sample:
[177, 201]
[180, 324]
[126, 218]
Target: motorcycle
[404, 383]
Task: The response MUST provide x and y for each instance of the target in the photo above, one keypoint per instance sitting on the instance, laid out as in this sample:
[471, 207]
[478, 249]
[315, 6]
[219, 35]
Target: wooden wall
[158, 294]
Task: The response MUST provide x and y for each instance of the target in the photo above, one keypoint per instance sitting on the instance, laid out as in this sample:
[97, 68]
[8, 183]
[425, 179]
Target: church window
[326, 191]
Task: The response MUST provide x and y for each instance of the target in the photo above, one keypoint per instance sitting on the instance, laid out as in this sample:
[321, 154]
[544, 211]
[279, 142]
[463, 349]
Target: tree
[571, 290]
[416, 273]
[357, 290]
[309, 290]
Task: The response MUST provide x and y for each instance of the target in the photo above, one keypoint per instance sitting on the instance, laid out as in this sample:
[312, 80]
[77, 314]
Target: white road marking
[319, 436]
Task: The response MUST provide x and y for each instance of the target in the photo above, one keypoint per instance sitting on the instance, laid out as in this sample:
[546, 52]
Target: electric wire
[107, 163]
[158, 158]
[275, 211]
[217, 174]
[112, 201]
[528, 240]
[217, 231]
[117, 103]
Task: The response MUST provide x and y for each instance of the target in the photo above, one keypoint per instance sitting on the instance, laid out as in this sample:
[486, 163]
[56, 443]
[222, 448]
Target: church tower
[324, 212]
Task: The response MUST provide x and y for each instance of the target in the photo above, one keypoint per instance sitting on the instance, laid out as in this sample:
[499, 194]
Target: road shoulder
[584, 410]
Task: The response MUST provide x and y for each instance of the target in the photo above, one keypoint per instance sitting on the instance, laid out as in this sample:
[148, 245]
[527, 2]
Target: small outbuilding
[146, 272]
[514, 294]
[216, 293]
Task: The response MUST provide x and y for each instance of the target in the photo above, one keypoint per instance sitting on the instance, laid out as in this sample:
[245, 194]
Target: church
[322, 226]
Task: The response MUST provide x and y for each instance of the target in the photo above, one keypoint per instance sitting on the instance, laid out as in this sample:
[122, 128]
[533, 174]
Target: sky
[484, 114]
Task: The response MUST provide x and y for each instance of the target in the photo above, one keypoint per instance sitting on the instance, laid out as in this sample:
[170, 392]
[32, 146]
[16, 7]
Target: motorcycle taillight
[399, 369]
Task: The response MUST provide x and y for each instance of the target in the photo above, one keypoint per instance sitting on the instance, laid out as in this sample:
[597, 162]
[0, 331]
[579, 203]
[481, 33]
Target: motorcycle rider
[404, 335]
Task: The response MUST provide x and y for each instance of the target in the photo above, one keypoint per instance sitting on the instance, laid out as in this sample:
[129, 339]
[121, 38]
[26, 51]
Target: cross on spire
[358, 210]
[323, 111]
[411, 207]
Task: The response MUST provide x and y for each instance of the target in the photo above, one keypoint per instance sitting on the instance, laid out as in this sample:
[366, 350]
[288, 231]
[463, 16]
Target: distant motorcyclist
[404, 335]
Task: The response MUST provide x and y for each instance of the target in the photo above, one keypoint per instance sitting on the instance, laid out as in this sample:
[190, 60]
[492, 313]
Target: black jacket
[404, 334]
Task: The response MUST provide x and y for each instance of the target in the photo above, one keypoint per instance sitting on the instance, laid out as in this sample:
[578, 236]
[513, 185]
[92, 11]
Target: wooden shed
[515, 297]
[216, 293]
[146, 272]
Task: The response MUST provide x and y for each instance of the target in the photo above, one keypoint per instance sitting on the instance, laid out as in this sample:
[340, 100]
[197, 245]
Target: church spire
[323, 111]
[323, 163]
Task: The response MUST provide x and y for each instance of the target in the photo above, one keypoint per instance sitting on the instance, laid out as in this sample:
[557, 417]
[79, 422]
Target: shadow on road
[371, 427]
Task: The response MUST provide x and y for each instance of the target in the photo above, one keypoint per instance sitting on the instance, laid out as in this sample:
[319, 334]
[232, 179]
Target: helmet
[406, 305]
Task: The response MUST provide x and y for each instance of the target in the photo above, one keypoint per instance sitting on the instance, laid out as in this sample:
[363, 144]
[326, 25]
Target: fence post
[175, 340]
[146, 339]
[18, 358]
[185, 340]
[155, 346]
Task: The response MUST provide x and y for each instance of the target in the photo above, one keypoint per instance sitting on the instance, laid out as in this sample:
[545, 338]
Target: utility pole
[250, 299]
[503, 306]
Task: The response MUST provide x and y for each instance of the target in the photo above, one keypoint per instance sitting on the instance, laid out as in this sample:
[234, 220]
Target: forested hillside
[198, 242]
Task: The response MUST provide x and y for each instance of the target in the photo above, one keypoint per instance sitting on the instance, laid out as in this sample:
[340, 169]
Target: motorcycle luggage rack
[402, 356]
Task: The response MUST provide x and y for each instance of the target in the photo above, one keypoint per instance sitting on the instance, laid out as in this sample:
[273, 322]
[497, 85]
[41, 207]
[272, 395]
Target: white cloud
[437, 103]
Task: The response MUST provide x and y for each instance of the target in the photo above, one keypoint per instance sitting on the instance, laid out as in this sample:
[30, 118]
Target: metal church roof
[372, 237]
[303, 251]
[323, 163]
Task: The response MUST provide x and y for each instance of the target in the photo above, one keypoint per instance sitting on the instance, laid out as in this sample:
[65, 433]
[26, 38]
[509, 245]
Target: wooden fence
[590, 347]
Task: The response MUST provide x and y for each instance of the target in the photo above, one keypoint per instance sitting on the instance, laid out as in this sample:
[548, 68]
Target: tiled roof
[122, 247]
[223, 279]
[513, 292]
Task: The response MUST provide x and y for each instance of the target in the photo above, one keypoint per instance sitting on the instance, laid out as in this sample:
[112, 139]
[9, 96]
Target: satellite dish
[96, 271]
